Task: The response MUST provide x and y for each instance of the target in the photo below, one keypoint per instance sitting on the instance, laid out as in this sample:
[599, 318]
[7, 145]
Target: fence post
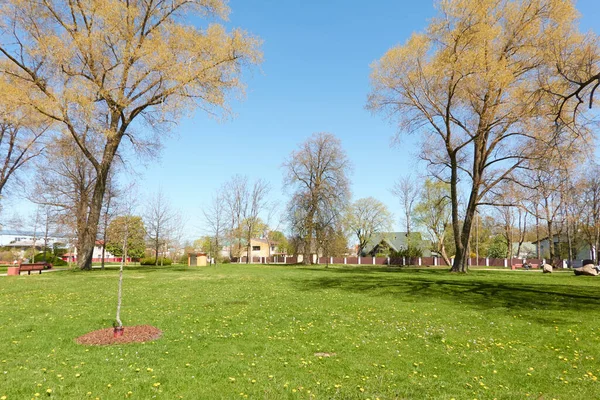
[358, 260]
[330, 260]
[419, 261]
[487, 262]
[373, 260]
[403, 261]
[344, 260]
[505, 263]
[388, 261]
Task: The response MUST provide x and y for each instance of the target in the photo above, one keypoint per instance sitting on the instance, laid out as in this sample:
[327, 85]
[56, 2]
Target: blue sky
[315, 78]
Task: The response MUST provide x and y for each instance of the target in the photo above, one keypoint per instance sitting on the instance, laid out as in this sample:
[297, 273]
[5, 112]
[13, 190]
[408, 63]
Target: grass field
[253, 331]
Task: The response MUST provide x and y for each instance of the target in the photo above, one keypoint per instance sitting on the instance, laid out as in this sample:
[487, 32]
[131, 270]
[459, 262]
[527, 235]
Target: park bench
[40, 266]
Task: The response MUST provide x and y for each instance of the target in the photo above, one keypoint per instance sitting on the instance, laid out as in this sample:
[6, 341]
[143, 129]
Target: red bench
[29, 267]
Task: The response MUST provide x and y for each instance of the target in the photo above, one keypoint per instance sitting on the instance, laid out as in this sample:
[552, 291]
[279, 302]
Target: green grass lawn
[239, 331]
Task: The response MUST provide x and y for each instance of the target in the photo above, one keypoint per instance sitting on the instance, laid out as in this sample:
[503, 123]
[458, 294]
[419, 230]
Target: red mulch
[131, 334]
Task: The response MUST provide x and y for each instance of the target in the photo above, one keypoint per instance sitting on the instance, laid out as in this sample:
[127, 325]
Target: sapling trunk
[120, 291]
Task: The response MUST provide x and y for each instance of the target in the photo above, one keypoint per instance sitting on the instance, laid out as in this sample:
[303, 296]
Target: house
[17, 243]
[25, 239]
[260, 248]
[383, 242]
[582, 250]
[96, 255]
[528, 250]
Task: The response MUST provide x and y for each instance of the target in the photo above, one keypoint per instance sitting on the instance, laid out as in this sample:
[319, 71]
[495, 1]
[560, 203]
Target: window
[255, 248]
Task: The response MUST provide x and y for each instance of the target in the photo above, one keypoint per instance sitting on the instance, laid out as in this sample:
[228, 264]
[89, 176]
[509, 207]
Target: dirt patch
[131, 334]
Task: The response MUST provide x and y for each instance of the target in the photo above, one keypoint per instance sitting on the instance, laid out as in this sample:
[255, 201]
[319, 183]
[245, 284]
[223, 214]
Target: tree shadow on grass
[517, 293]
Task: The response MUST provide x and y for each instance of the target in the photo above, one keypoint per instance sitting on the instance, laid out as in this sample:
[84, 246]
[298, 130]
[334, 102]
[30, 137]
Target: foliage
[8, 255]
[433, 213]
[161, 261]
[99, 68]
[412, 252]
[136, 234]
[280, 241]
[470, 87]
[366, 217]
[498, 247]
[50, 258]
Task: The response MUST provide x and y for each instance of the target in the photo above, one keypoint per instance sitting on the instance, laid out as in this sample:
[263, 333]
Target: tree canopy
[130, 227]
[105, 70]
[469, 85]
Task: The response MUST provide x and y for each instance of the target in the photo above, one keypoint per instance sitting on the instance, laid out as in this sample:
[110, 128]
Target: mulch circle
[131, 334]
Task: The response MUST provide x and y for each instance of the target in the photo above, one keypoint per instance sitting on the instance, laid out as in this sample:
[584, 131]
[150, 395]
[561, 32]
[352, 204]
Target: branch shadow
[509, 293]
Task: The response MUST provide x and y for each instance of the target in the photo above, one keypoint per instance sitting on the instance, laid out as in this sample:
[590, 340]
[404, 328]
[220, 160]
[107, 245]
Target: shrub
[50, 258]
[225, 261]
[412, 252]
[183, 259]
[150, 261]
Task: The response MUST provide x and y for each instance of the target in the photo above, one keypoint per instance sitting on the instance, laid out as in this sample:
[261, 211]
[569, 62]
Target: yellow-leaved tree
[108, 70]
[470, 87]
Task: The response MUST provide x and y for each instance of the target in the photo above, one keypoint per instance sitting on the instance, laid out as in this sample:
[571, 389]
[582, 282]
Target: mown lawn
[253, 331]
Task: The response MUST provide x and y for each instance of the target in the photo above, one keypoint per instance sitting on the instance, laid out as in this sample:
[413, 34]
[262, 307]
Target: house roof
[37, 234]
[396, 240]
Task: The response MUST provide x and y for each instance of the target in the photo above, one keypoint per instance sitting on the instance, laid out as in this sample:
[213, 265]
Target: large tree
[102, 68]
[64, 179]
[318, 175]
[366, 217]
[468, 86]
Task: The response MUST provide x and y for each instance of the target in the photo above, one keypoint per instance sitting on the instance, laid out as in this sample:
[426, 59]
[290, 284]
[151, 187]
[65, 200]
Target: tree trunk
[537, 234]
[307, 259]
[462, 238]
[156, 248]
[87, 235]
[459, 257]
[551, 239]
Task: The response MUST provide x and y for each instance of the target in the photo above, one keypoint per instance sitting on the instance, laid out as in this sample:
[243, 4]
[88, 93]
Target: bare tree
[406, 191]
[159, 219]
[257, 203]
[64, 179]
[433, 213]
[318, 174]
[215, 218]
[235, 194]
[366, 217]
[100, 72]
